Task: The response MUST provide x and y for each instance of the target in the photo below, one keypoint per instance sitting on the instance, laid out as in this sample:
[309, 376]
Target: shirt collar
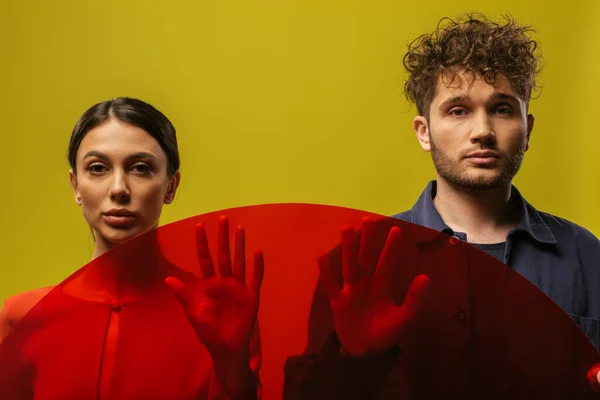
[425, 214]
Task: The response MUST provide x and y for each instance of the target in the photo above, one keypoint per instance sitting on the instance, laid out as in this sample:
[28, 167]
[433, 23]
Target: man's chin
[484, 183]
[488, 180]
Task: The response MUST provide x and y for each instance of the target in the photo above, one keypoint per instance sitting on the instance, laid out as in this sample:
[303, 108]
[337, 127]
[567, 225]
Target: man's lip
[483, 154]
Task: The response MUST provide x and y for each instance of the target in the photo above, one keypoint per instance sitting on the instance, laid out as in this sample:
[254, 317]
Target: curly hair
[477, 46]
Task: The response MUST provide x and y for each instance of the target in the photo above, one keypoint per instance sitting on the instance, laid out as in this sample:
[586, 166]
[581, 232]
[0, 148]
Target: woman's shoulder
[15, 307]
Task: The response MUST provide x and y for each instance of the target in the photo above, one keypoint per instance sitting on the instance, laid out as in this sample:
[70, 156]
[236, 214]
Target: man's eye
[504, 110]
[457, 112]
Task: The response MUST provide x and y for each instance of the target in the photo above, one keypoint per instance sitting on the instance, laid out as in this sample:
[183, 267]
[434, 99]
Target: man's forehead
[466, 84]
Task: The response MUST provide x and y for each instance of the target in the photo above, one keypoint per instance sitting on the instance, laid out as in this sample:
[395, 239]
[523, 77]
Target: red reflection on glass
[114, 329]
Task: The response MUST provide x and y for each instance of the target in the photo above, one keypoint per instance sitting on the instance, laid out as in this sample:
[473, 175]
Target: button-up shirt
[561, 258]
[482, 331]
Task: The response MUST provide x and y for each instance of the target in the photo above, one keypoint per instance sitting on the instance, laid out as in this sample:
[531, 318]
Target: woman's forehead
[117, 138]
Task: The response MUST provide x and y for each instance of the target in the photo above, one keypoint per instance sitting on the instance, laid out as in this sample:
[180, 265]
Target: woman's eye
[142, 168]
[96, 168]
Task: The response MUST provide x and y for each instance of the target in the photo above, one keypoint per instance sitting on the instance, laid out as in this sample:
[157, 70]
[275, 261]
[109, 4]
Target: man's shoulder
[404, 216]
[563, 228]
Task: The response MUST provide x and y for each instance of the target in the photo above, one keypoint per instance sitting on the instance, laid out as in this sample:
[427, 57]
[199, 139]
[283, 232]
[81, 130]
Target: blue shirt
[561, 258]
[489, 334]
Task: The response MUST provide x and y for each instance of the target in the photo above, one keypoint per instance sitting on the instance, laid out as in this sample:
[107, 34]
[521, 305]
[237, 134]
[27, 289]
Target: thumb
[412, 304]
[177, 287]
[416, 292]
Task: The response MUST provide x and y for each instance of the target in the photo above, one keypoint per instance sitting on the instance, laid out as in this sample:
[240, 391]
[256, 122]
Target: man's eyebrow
[462, 97]
[454, 100]
[504, 96]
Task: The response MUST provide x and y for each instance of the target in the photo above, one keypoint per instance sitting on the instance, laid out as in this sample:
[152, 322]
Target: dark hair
[134, 112]
[476, 45]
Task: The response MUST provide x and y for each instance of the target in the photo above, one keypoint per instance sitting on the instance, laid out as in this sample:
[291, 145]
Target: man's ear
[530, 122]
[172, 189]
[421, 128]
[73, 180]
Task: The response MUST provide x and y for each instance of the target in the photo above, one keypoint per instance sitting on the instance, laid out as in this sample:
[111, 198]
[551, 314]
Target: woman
[138, 327]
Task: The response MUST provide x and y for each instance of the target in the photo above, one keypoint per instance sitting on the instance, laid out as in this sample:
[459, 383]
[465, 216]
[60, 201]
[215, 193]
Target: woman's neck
[118, 274]
[101, 246]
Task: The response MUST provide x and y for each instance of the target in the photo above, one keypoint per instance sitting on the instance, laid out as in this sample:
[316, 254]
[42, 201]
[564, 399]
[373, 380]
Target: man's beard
[457, 175]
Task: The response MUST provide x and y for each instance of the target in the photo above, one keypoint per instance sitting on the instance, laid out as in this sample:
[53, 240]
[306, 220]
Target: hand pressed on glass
[366, 318]
[222, 309]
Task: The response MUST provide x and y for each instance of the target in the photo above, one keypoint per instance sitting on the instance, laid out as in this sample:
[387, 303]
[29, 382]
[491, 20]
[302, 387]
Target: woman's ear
[73, 180]
[172, 188]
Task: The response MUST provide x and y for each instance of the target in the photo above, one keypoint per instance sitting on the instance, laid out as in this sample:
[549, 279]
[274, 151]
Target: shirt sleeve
[589, 258]
[323, 371]
[5, 326]
[16, 307]
[331, 374]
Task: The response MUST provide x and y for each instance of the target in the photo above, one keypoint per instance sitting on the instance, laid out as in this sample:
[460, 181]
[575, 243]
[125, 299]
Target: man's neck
[486, 216]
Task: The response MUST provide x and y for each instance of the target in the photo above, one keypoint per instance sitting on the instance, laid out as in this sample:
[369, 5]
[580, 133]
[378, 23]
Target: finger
[384, 274]
[258, 273]
[416, 292]
[239, 258]
[177, 287]
[366, 253]
[349, 256]
[593, 376]
[328, 278]
[413, 303]
[204, 259]
[223, 251]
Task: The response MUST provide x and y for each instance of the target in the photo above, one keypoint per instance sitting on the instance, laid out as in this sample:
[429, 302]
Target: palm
[366, 322]
[222, 309]
[366, 318]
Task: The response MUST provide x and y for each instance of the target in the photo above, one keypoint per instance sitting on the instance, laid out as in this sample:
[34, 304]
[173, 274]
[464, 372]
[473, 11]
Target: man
[471, 81]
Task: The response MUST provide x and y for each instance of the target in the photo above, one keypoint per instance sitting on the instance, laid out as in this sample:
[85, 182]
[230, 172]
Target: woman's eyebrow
[135, 156]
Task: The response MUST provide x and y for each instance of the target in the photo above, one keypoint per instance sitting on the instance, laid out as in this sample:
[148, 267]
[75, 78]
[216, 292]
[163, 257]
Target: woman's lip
[119, 220]
[117, 212]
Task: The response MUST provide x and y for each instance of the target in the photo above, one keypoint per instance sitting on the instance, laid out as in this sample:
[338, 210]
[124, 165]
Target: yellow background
[274, 101]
